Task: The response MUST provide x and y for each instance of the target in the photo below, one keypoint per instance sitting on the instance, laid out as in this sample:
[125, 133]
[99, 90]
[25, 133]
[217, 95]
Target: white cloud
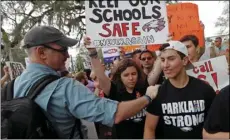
[209, 11]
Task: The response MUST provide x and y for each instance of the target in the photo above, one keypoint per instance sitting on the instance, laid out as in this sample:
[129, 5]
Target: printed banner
[132, 22]
[110, 53]
[15, 69]
[183, 19]
[213, 71]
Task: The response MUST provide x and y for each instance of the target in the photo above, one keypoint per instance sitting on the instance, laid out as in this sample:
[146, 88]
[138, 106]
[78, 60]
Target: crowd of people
[149, 95]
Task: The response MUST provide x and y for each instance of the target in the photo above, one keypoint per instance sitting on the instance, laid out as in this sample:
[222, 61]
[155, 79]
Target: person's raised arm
[155, 73]
[98, 69]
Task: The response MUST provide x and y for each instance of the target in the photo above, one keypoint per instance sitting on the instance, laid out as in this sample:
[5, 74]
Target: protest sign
[153, 47]
[128, 49]
[15, 69]
[132, 22]
[110, 53]
[213, 71]
[183, 19]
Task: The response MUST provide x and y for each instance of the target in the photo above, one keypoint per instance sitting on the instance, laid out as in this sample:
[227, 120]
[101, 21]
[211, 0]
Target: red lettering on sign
[105, 27]
[210, 65]
[125, 28]
[195, 70]
[202, 77]
[214, 77]
[202, 68]
[119, 29]
[134, 29]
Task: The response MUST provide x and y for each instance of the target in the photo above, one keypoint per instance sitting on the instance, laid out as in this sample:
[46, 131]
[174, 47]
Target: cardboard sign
[213, 71]
[118, 23]
[15, 69]
[153, 48]
[183, 20]
[129, 49]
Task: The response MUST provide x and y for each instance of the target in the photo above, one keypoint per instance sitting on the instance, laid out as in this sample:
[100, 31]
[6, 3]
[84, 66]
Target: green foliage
[223, 20]
[20, 16]
[79, 63]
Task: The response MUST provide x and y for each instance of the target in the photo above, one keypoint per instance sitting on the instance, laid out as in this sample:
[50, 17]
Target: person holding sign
[125, 86]
[192, 44]
[182, 102]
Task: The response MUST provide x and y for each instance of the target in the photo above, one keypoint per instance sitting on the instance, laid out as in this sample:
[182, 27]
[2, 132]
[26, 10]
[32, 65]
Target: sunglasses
[146, 58]
[64, 50]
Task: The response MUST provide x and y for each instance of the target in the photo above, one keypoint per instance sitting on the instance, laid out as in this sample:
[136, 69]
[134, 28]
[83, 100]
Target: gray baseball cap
[40, 35]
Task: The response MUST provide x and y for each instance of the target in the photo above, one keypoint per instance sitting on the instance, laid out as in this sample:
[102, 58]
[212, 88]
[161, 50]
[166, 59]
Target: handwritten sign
[183, 20]
[15, 69]
[154, 47]
[129, 49]
[213, 71]
[119, 23]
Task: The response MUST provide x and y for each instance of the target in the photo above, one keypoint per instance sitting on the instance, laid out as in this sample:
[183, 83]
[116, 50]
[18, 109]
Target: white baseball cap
[178, 46]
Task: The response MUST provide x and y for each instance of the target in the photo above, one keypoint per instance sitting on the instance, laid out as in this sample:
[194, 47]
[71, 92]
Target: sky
[209, 11]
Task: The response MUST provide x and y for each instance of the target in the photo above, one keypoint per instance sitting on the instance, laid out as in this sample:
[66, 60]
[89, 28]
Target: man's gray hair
[29, 50]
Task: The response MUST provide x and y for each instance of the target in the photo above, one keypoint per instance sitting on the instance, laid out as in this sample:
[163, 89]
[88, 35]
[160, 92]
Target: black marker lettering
[96, 12]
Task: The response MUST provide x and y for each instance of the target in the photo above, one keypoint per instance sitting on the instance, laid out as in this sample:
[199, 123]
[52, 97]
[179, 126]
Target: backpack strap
[36, 89]
[7, 91]
[39, 86]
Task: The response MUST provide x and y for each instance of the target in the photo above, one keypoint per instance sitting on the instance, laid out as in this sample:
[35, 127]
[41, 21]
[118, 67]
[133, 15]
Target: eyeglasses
[146, 58]
[64, 50]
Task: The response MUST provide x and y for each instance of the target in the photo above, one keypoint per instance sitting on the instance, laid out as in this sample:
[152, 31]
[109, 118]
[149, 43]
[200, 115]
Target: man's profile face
[54, 59]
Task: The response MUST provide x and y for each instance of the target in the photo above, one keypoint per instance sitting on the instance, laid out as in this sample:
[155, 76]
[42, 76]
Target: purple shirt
[90, 86]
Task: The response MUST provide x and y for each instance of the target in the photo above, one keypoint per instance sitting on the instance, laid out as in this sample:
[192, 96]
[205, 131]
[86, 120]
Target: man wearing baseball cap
[182, 101]
[66, 99]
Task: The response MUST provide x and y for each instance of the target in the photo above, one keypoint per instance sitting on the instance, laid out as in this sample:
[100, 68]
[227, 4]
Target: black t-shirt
[218, 115]
[182, 111]
[133, 127]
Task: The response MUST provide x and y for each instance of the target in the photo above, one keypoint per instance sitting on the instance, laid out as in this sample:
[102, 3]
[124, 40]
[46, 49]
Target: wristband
[148, 98]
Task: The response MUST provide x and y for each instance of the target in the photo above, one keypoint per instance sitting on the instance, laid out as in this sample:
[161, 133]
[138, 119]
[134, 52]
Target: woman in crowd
[90, 84]
[124, 86]
[82, 78]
